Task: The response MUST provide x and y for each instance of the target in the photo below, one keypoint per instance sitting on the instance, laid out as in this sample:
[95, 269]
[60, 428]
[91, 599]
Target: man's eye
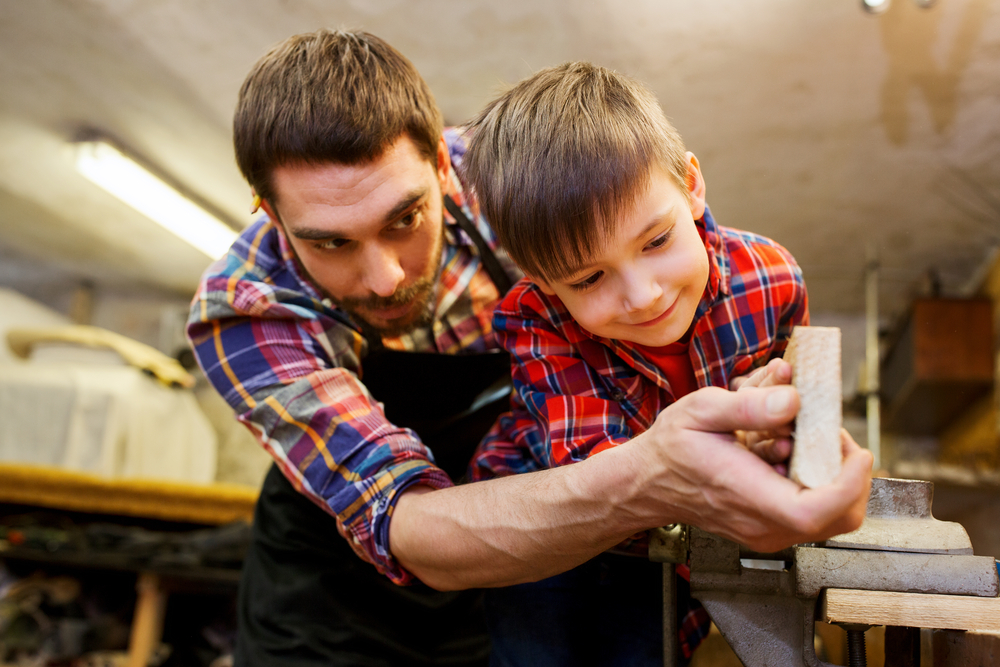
[660, 240]
[407, 220]
[587, 282]
[332, 244]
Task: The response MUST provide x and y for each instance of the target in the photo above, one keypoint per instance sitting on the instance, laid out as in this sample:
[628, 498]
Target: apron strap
[492, 265]
[490, 262]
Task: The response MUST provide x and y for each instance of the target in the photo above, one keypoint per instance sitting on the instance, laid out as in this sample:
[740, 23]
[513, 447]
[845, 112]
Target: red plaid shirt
[577, 394]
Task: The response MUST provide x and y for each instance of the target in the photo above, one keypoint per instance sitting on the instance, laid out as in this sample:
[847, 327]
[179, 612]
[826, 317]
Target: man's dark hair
[329, 96]
[560, 156]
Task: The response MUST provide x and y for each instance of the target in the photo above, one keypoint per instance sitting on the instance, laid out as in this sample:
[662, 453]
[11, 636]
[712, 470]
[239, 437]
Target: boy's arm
[557, 386]
[792, 306]
[688, 467]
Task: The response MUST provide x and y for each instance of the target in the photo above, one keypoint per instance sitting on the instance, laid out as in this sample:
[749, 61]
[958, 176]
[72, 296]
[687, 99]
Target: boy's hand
[777, 371]
[706, 478]
[773, 445]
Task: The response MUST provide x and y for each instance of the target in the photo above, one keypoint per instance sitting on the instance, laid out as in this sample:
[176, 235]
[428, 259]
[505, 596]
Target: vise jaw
[765, 604]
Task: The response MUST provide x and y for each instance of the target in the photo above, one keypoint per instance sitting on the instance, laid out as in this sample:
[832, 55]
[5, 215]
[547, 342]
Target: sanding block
[814, 353]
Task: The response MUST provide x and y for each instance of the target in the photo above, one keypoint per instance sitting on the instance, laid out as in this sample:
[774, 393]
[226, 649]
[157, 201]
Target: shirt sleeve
[791, 296]
[561, 409]
[276, 364]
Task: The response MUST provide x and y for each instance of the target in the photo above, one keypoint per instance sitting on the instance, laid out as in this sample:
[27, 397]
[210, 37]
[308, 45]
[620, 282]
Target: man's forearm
[520, 528]
[688, 467]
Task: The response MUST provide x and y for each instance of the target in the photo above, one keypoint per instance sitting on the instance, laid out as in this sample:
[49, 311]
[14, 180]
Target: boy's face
[645, 284]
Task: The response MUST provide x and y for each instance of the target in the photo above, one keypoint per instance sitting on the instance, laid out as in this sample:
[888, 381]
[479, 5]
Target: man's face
[368, 235]
[646, 282]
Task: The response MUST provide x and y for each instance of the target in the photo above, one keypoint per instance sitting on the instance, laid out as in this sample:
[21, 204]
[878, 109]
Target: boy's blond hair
[559, 157]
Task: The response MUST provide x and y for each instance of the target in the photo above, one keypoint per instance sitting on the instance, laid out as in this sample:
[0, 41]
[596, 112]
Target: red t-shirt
[674, 361]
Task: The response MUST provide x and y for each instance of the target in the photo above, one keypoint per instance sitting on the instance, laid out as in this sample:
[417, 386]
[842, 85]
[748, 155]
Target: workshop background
[864, 138]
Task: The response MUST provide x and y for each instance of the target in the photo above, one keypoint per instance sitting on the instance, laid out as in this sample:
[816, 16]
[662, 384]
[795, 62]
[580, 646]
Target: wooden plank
[941, 362]
[814, 353]
[915, 610]
[41, 486]
[953, 339]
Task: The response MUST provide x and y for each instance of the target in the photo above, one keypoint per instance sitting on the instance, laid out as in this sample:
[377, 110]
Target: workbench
[175, 503]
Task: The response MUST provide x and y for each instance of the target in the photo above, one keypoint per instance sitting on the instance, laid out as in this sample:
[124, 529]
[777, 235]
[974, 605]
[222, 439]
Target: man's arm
[688, 467]
[286, 367]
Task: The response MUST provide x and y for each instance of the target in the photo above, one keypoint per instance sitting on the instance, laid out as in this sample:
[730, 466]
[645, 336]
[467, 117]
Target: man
[351, 332]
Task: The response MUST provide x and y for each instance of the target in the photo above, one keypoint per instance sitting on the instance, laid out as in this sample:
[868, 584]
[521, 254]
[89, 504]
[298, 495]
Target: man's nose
[641, 290]
[381, 270]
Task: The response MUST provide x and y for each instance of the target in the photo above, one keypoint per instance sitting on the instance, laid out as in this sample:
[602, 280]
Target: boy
[634, 298]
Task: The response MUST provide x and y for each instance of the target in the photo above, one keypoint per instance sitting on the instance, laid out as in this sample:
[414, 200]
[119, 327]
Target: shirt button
[617, 394]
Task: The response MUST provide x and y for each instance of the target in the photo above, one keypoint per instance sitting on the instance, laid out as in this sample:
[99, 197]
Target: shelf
[947, 474]
[212, 504]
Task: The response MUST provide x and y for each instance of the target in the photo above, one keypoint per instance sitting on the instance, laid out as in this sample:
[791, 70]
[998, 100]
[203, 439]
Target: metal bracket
[669, 544]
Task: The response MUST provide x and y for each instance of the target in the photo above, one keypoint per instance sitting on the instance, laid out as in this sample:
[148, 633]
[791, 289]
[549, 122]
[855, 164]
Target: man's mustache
[400, 297]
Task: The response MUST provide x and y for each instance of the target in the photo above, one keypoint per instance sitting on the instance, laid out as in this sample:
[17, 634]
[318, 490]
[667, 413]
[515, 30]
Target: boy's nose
[641, 292]
[381, 270]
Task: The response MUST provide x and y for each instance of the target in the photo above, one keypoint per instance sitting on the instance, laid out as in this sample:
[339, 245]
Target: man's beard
[420, 294]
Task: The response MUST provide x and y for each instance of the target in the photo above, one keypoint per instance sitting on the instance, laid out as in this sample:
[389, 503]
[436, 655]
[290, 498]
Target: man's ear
[265, 206]
[695, 183]
[443, 163]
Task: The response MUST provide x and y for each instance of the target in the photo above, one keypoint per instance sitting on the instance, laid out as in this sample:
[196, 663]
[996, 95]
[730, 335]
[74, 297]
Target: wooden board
[212, 504]
[814, 353]
[940, 362]
[915, 610]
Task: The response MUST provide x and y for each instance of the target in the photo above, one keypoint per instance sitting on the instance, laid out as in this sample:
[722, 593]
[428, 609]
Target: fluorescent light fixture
[875, 6]
[135, 185]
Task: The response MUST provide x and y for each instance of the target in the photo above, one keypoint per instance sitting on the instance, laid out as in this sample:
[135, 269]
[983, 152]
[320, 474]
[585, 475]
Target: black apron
[305, 598]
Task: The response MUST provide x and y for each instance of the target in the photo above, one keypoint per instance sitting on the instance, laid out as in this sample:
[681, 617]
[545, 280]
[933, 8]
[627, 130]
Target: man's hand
[698, 467]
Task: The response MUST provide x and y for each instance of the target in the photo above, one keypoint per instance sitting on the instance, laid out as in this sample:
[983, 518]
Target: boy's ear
[695, 183]
[542, 285]
[443, 163]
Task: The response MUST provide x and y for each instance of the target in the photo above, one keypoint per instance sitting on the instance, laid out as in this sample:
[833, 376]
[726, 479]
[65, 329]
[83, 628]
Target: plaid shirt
[288, 361]
[577, 394]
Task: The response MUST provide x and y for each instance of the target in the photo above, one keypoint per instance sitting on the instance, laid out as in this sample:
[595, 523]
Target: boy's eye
[589, 281]
[660, 240]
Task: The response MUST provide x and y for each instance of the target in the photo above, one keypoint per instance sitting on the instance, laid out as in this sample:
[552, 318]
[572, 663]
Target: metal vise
[765, 604]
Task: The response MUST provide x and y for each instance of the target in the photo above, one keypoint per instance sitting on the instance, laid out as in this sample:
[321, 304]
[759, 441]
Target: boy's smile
[645, 285]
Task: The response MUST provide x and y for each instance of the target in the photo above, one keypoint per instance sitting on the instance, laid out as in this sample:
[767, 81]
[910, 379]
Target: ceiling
[826, 128]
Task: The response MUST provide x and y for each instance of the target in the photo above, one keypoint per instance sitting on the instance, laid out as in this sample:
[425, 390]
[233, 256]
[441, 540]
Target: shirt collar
[718, 263]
